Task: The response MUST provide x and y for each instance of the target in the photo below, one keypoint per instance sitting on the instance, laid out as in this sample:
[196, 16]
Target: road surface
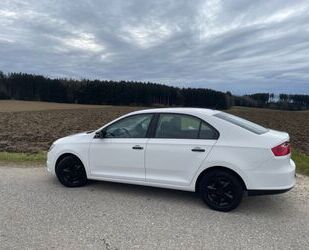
[39, 213]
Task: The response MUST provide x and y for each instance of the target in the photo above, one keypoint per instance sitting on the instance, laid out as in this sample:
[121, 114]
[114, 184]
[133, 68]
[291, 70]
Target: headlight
[51, 147]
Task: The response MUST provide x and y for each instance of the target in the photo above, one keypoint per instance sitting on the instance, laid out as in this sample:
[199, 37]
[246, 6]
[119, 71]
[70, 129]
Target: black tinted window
[177, 126]
[207, 132]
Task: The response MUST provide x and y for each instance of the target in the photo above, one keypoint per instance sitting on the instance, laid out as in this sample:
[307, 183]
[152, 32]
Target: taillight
[282, 149]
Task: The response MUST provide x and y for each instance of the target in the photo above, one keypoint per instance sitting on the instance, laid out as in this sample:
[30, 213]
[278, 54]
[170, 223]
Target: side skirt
[142, 183]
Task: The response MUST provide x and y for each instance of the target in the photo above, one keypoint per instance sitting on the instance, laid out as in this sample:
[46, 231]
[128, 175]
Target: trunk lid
[276, 137]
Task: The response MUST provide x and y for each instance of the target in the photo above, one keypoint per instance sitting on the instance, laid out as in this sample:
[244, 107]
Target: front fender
[80, 151]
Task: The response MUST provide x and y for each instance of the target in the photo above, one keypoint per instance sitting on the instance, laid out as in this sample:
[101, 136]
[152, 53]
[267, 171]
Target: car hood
[79, 137]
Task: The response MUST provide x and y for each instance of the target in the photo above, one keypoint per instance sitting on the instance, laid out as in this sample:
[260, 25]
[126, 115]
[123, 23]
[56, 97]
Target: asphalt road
[36, 212]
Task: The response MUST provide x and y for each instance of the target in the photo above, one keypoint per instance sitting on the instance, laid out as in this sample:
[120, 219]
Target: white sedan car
[219, 155]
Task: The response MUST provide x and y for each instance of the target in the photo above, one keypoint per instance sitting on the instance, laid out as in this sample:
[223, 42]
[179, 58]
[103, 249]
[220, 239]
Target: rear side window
[207, 132]
[243, 123]
[178, 126]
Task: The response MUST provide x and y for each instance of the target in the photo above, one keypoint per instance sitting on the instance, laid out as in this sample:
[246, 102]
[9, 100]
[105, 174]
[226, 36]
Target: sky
[241, 46]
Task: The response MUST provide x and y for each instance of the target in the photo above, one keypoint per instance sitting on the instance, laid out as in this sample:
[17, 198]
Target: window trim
[129, 116]
[157, 117]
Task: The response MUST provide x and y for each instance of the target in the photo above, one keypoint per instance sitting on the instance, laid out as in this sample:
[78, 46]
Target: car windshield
[251, 126]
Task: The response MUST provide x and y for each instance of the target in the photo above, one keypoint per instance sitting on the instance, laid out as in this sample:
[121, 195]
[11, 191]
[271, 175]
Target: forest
[23, 86]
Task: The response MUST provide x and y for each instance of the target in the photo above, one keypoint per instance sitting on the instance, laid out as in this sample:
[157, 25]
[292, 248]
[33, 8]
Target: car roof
[190, 111]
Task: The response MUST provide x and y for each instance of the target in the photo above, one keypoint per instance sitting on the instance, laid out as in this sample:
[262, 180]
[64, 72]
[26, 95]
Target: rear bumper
[267, 192]
[272, 178]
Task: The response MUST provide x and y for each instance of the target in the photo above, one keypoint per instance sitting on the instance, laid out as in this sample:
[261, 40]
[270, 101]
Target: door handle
[198, 150]
[137, 147]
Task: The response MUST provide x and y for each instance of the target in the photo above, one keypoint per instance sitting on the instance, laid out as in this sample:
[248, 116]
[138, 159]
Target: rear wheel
[71, 172]
[221, 190]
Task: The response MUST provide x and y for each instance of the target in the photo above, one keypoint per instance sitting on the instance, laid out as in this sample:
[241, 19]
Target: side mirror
[100, 134]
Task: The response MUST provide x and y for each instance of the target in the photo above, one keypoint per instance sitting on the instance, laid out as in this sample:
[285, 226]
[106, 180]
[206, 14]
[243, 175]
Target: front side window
[178, 126]
[135, 126]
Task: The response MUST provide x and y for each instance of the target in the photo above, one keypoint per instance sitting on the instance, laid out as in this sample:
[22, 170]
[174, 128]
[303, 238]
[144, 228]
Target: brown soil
[31, 131]
[14, 106]
[35, 130]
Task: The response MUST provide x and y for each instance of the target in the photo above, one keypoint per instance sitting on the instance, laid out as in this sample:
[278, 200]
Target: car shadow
[267, 205]
[145, 191]
[264, 205]
[270, 205]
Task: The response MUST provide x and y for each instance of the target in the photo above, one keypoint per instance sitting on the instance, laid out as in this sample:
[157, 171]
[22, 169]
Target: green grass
[8, 157]
[301, 159]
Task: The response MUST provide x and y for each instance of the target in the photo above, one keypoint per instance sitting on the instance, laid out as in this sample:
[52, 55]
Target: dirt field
[14, 106]
[296, 123]
[33, 131]
[33, 126]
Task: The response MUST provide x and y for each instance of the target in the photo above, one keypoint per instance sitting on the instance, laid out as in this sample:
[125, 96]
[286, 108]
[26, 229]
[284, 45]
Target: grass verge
[23, 158]
[301, 159]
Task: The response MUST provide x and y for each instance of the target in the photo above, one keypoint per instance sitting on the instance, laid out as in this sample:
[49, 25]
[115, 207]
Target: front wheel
[71, 172]
[221, 190]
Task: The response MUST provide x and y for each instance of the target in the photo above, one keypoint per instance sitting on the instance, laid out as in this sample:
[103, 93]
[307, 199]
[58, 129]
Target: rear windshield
[251, 126]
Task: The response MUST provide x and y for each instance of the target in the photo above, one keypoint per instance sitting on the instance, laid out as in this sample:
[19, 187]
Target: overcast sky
[243, 46]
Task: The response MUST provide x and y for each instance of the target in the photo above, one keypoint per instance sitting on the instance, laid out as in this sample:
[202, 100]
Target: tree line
[269, 100]
[21, 86]
[31, 87]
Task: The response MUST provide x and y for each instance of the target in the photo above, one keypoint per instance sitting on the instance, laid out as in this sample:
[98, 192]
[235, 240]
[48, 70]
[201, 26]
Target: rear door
[180, 144]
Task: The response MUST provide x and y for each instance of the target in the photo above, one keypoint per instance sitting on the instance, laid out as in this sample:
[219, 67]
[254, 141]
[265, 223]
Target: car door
[120, 152]
[180, 145]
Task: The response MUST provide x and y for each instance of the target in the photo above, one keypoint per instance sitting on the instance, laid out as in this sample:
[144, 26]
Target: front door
[120, 153]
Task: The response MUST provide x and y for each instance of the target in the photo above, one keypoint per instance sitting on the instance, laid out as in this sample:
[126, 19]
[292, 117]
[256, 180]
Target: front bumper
[50, 164]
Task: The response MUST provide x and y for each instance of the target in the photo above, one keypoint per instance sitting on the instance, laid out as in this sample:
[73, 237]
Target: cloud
[241, 46]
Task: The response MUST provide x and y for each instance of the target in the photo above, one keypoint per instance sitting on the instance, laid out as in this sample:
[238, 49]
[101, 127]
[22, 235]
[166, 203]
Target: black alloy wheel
[71, 172]
[221, 190]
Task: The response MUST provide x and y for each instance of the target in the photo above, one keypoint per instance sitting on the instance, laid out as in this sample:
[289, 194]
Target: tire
[221, 190]
[71, 172]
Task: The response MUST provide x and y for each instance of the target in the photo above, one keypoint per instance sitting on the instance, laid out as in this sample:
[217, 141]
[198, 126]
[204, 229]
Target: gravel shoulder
[37, 212]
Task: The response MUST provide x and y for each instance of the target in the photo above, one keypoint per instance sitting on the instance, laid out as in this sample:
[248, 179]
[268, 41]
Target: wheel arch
[62, 156]
[213, 168]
